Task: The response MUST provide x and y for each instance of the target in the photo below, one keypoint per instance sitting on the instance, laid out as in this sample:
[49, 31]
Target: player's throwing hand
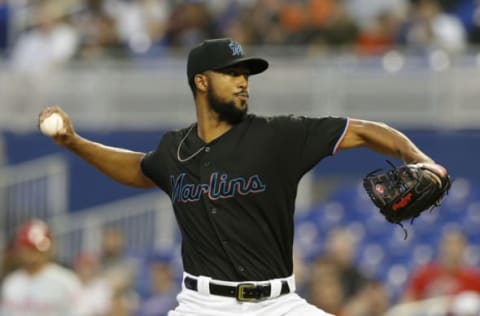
[64, 133]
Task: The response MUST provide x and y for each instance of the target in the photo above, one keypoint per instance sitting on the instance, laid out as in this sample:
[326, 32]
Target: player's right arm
[119, 164]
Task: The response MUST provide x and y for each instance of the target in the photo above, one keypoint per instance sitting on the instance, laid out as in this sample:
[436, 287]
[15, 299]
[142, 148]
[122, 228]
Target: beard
[227, 111]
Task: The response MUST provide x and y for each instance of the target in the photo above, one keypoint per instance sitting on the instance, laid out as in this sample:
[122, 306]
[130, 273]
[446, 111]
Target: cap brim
[254, 65]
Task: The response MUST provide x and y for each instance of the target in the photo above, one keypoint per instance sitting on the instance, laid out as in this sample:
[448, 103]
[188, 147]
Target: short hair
[193, 87]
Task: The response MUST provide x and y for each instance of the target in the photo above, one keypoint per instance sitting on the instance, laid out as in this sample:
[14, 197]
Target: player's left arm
[383, 139]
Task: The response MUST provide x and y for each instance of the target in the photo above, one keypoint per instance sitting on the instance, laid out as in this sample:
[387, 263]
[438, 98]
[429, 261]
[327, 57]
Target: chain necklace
[180, 146]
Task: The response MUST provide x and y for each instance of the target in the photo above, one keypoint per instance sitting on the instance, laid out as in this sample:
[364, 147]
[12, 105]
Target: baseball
[51, 125]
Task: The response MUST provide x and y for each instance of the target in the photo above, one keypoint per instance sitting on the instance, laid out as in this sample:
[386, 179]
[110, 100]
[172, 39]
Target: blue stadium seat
[372, 259]
[382, 251]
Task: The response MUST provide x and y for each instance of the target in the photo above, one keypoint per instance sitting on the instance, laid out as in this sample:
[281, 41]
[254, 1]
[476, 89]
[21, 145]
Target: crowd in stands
[114, 283]
[111, 282]
[61, 30]
[447, 282]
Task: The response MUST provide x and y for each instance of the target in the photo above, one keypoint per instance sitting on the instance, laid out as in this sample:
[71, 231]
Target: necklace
[180, 146]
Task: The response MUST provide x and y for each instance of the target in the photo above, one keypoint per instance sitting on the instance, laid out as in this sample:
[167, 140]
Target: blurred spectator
[336, 29]
[300, 270]
[372, 300]
[144, 28]
[325, 288]
[98, 32]
[39, 287]
[140, 24]
[96, 295]
[162, 287]
[9, 260]
[240, 29]
[119, 270]
[320, 11]
[448, 275]
[335, 280]
[43, 49]
[475, 27]
[264, 21]
[293, 20]
[380, 36]
[232, 19]
[364, 12]
[190, 23]
[465, 304]
[340, 248]
[464, 10]
[428, 27]
[437, 306]
[4, 26]
[49, 44]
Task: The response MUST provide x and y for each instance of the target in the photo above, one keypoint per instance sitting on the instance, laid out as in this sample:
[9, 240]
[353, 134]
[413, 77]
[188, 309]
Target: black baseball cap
[220, 53]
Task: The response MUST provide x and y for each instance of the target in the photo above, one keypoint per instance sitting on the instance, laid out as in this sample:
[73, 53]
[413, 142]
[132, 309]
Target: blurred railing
[146, 221]
[34, 189]
[434, 90]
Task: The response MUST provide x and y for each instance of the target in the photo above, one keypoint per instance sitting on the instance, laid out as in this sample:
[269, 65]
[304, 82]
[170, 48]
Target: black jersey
[234, 197]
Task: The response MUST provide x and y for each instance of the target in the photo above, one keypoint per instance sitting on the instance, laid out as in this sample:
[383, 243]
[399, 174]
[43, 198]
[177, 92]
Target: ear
[201, 82]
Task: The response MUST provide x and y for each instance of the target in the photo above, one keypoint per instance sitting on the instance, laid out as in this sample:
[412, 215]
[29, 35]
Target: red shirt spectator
[449, 275]
[435, 280]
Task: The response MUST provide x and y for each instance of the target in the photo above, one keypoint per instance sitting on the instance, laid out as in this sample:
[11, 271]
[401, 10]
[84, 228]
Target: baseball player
[40, 287]
[232, 178]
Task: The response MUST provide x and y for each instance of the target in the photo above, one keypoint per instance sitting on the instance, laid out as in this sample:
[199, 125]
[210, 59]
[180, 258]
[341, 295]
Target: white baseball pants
[202, 303]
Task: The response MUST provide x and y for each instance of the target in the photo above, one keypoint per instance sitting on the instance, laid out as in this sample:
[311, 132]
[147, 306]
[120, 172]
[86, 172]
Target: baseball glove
[405, 191]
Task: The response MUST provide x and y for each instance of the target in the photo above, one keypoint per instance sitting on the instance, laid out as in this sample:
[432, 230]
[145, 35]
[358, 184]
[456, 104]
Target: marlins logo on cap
[236, 48]
[216, 54]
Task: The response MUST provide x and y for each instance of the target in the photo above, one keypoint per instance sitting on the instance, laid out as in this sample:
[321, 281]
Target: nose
[243, 81]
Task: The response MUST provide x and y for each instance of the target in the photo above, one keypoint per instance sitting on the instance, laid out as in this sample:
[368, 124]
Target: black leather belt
[243, 292]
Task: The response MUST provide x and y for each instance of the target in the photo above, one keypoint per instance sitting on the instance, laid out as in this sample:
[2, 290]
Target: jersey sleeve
[308, 140]
[153, 164]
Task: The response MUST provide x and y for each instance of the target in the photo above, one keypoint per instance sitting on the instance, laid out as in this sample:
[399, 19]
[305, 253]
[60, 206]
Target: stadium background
[118, 68]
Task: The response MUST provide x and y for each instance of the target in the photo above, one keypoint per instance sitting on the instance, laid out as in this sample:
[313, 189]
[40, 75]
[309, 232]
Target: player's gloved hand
[404, 192]
[66, 135]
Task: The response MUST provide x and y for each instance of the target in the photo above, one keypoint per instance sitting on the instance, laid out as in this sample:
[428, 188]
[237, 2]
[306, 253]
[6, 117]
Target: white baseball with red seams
[52, 124]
